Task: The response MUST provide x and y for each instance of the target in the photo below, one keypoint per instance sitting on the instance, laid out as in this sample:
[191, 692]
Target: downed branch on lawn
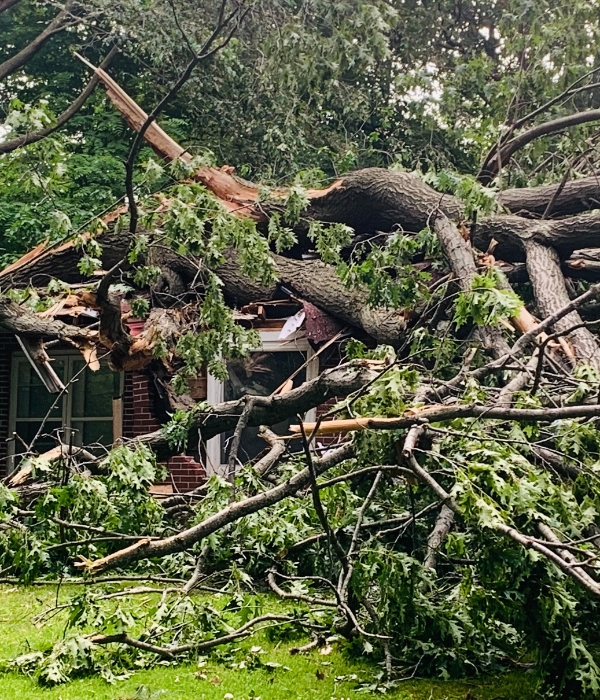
[183, 540]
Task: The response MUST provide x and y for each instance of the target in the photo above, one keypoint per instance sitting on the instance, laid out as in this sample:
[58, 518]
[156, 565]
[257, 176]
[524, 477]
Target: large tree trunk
[551, 295]
[575, 197]
[368, 200]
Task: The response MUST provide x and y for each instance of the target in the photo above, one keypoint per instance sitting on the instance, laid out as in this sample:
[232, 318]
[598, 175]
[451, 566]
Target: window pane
[259, 375]
[33, 399]
[93, 392]
[87, 433]
[46, 441]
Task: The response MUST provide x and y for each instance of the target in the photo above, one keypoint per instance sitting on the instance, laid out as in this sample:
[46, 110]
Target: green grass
[310, 676]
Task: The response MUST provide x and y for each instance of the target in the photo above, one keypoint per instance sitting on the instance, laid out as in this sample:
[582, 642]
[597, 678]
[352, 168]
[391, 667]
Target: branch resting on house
[338, 382]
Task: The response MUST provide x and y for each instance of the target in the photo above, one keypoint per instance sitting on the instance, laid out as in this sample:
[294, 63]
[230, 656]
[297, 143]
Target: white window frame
[66, 418]
[215, 389]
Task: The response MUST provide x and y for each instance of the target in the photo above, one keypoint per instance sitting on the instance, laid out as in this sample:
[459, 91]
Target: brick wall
[139, 413]
[139, 417]
[8, 344]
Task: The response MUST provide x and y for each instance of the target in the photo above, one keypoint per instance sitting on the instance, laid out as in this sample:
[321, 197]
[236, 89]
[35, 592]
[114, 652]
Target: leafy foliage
[312, 90]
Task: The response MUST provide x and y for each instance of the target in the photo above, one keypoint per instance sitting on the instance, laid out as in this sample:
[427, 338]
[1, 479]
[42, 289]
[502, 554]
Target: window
[260, 374]
[86, 407]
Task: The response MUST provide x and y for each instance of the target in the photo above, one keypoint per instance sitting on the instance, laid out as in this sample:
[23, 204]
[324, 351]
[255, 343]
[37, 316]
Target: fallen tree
[460, 501]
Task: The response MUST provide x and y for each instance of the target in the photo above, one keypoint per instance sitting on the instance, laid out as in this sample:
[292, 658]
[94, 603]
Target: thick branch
[576, 196]
[267, 410]
[183, 540]
[19, 320]
[25, 54]
[319, 284]
[459, 253]
[551, 296]
[508, 149]
[438, 536]
[436, 414]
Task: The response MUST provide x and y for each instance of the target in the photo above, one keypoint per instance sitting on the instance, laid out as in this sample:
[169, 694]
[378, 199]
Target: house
[65, 389]
[76, 399]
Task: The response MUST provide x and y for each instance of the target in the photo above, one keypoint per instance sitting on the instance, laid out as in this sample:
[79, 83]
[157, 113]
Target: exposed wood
[135, 116]
[435, 414]
[117, 419]
[266, 463]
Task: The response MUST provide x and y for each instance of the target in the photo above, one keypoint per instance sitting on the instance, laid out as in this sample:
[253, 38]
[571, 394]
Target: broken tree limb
[436, 414]
[547, 532]
[136, 117]
[171, 651]
[384, 197]
[312, 280]
[267, 410]
[524, 540]
[553, 318]
[20, 320]
[319, 284]
[459, 253]
[438, 536]
[176, 543]
[266, 463]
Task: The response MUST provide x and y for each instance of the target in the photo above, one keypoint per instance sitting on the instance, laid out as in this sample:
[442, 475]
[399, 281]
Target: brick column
[139, 418]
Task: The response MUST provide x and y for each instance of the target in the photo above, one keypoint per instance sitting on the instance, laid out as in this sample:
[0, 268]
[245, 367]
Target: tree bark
[460, 256]
[438, 536]
[576, 197]
[551, 295]
[267, 410]
[318, 283]
[310, 279]
[15, 318]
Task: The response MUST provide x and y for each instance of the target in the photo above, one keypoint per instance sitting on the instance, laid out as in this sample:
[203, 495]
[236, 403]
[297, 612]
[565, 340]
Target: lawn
[254, 668]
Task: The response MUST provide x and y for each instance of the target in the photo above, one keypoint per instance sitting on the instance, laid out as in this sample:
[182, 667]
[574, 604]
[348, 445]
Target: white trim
[215, 389]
